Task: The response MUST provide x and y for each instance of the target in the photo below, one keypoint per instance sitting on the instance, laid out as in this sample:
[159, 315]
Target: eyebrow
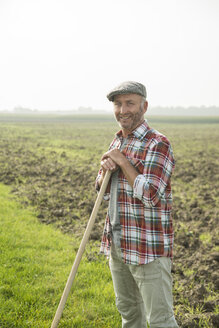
[127, 100]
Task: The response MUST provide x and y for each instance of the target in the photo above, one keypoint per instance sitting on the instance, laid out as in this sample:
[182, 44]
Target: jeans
[143, 292]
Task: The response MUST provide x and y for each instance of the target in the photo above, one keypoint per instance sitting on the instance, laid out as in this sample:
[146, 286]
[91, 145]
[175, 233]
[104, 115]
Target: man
[138, 232]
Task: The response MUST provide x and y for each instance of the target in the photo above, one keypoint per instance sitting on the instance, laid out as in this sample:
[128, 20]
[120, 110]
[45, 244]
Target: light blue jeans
[143, 292]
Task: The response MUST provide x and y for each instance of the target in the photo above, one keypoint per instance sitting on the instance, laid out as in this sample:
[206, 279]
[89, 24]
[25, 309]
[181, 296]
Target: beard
[130, 121]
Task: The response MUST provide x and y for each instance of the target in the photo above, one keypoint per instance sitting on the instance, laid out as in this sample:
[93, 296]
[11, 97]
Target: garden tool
[80, 251]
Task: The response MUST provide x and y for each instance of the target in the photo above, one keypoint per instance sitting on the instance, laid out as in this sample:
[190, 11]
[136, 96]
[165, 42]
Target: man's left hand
[115, 155]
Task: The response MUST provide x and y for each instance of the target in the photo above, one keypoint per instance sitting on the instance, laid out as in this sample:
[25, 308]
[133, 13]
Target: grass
[35, 263]
[205, 238]
[51, 163]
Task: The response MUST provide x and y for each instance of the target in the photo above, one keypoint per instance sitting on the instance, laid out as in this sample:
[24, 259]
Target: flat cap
[126, 88]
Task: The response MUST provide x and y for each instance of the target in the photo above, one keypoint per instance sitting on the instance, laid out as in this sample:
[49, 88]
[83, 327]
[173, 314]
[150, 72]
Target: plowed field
[52, 162]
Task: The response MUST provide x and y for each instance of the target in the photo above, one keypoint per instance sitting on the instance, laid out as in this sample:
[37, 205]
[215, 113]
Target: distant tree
[20, 109]
[85, 109]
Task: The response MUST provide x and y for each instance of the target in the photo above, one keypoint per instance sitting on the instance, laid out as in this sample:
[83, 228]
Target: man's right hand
[107, 164]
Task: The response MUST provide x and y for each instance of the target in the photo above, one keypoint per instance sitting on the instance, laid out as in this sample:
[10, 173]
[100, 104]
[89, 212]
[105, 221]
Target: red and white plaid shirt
[144, 210]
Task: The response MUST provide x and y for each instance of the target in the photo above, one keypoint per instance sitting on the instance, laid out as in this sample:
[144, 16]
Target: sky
[63, 54]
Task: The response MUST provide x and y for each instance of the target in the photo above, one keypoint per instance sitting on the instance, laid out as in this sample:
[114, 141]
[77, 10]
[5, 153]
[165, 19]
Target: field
[50, 164]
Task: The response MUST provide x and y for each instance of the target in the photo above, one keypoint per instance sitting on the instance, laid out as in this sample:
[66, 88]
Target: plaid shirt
[144, 210]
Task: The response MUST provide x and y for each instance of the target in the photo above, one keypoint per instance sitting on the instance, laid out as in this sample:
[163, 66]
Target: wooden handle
[81, 251]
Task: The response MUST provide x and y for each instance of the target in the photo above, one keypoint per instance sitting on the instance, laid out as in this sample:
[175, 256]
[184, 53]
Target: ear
[145, 106]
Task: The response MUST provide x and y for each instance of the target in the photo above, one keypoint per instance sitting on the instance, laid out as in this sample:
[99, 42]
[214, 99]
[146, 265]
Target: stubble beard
[136, 120]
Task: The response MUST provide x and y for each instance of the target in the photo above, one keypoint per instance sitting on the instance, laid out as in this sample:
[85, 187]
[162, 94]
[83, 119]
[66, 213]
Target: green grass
[51, 163]
[35, 261]
[206, 238]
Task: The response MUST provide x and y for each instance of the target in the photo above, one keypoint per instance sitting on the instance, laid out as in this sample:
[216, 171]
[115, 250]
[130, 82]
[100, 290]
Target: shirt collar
[139, 132]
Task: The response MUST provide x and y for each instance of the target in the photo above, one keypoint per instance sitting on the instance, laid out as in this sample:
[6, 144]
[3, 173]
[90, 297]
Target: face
[129, 111]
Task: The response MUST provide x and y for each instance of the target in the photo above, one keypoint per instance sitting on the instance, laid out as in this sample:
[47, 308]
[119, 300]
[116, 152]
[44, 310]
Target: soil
[63, 194]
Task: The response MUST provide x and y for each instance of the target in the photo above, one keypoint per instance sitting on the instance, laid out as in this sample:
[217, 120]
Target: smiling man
[129, 111]
[138, 233]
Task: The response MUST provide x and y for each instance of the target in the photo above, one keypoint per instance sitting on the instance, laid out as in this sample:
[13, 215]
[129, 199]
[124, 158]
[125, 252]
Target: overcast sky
[62, 54]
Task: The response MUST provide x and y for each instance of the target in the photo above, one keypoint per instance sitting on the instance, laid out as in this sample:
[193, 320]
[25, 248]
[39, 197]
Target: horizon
[201, 111]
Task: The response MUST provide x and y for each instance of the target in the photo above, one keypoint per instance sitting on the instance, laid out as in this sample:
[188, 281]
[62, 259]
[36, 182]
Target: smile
[124, 118]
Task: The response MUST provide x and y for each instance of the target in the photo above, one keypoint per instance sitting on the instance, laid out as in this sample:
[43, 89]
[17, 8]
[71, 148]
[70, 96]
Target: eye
[130, 103]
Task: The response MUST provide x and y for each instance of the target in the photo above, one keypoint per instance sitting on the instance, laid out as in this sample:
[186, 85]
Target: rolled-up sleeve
[157, 168]
[140, 185]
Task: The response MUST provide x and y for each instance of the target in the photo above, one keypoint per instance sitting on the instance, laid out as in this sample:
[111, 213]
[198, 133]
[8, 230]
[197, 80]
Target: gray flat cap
[126, 88]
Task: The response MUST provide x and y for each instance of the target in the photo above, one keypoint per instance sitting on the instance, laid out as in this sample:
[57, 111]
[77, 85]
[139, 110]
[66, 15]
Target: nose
[123, 109]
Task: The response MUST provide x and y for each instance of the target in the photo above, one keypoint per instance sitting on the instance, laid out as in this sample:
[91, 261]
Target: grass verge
[35, 261]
